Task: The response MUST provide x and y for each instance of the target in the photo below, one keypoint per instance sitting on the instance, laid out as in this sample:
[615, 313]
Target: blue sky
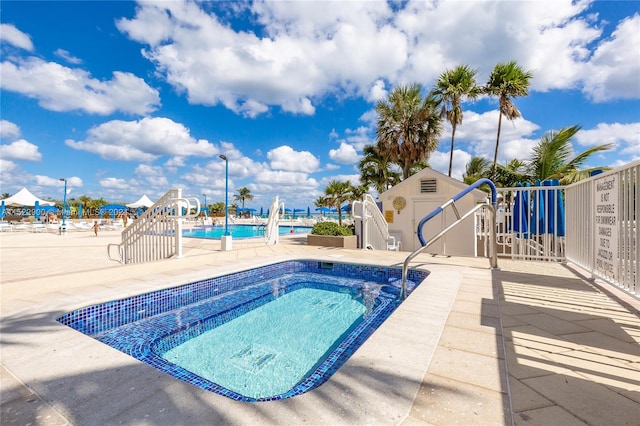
[125, 98]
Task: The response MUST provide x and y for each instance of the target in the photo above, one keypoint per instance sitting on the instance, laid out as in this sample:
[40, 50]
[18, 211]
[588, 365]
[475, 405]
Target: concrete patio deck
[527, 344]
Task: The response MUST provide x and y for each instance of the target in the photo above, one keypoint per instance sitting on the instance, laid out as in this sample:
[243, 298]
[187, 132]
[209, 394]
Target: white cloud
[20, 150]
[11, 35]
[302, 52]
[58, 88]
[142, 140]
[64, 54]
[625, 137]
[8, 129]
[287, 159]
[115, 184]
[614, 69]
[346, 154]
[440, 161]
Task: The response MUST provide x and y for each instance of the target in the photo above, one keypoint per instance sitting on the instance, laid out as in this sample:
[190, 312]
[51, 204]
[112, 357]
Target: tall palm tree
[507, 80]
[337, 193]
[408, 126]
[376, 170]
[451, 89]
[243, 194]
[553, 157]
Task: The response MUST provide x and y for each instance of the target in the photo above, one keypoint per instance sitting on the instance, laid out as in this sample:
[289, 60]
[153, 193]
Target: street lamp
[226, 194]
[205, 200]
[64, 203]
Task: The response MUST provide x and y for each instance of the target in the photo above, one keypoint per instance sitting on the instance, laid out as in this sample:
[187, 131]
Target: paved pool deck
[526, 344]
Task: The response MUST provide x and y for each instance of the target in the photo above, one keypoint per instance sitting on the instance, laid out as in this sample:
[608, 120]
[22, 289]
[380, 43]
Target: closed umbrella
[2, 210]
[521, 213]
[555, 209]
[537, 211]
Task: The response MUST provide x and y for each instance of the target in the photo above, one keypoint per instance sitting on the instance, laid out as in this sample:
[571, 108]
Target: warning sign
[606, 237]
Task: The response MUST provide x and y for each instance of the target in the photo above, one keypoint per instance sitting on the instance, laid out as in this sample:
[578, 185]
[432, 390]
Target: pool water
[297, 320]
[268, 350]
[241, 231]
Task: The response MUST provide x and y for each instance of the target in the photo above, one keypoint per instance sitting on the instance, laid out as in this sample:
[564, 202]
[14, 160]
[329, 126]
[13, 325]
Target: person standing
[96, 227]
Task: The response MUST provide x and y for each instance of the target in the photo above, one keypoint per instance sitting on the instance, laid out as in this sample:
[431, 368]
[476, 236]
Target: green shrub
[331, 228]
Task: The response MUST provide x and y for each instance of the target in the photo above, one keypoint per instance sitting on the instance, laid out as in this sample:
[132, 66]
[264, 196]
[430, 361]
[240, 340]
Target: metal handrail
[492, 231]
[157, 233]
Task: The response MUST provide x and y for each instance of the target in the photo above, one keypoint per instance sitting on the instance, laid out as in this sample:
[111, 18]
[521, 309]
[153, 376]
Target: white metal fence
[603, 236]
[157, 233]
[530, 223]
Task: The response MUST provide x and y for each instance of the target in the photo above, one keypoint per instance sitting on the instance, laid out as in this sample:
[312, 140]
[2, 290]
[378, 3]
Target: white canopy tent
[24, 198]
[144, 201]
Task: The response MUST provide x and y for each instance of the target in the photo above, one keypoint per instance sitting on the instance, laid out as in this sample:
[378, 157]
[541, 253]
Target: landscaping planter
[348, 242]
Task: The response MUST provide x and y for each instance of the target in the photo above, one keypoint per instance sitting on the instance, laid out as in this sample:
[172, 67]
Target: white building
[407, 203]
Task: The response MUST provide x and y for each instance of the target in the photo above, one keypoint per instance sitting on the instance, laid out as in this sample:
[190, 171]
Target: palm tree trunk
[495, 155]
[453, 134]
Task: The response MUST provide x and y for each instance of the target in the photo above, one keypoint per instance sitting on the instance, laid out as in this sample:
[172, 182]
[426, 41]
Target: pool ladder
[491, 207]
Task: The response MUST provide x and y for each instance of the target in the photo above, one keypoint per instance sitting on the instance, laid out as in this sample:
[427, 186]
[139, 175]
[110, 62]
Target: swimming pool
[241, 231]
[150, 326]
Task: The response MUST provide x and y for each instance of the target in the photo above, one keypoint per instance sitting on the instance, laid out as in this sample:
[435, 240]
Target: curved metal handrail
[491, 207]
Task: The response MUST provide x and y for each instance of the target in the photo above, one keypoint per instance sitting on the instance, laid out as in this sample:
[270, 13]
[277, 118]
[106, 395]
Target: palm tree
[337, 193]
[477, 168]
[507, 80]
[511, 174]
[242, 195]
[451, 89]
[408, 126]
[376, 170]
[552, 157]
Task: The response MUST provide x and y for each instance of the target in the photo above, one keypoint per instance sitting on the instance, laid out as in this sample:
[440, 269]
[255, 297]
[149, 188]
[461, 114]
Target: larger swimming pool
[262, 334]
[241, 231]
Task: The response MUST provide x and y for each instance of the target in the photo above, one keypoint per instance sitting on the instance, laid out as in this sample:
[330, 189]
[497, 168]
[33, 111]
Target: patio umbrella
[537, 210]
[297, 211]
[521, 212]
[112, 210]
[308, 211]
[2, 210]
[555, 209]
[79, 211]
[260, 210]
[36, 210]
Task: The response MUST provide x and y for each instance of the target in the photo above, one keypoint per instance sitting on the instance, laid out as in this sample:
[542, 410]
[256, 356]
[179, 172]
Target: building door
[421, 209]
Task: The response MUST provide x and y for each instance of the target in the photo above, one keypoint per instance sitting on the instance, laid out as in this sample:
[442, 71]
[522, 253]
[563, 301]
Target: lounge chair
[394, 242]
[5, 226]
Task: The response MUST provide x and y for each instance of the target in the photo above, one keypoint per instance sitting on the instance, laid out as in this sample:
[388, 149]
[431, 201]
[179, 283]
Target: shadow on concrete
[569, 347]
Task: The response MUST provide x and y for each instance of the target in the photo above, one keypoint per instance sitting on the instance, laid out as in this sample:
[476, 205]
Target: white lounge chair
[394, 242]
[5, 226]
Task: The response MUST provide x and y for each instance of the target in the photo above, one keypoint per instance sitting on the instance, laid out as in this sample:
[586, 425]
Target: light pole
[225, 241]
[205, 200]
[64, 203]
[226, 194]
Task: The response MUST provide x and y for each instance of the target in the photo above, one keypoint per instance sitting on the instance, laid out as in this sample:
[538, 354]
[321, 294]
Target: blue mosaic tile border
[147, 325]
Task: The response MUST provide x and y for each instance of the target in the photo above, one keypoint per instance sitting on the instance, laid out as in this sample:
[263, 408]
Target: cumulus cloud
[614, 69]
[287, 159]
[20, 150]
[304, 51]
[142, 140]
[59, 88]
[13, 36]
[624, 137]
[346, 154]
[8, 129]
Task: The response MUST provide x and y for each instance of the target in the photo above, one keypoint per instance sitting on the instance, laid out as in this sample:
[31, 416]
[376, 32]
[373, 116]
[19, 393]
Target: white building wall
[460, 241]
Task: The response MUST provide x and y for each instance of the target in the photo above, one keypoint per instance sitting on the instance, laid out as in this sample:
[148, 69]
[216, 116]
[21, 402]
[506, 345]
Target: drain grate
[253, 358]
